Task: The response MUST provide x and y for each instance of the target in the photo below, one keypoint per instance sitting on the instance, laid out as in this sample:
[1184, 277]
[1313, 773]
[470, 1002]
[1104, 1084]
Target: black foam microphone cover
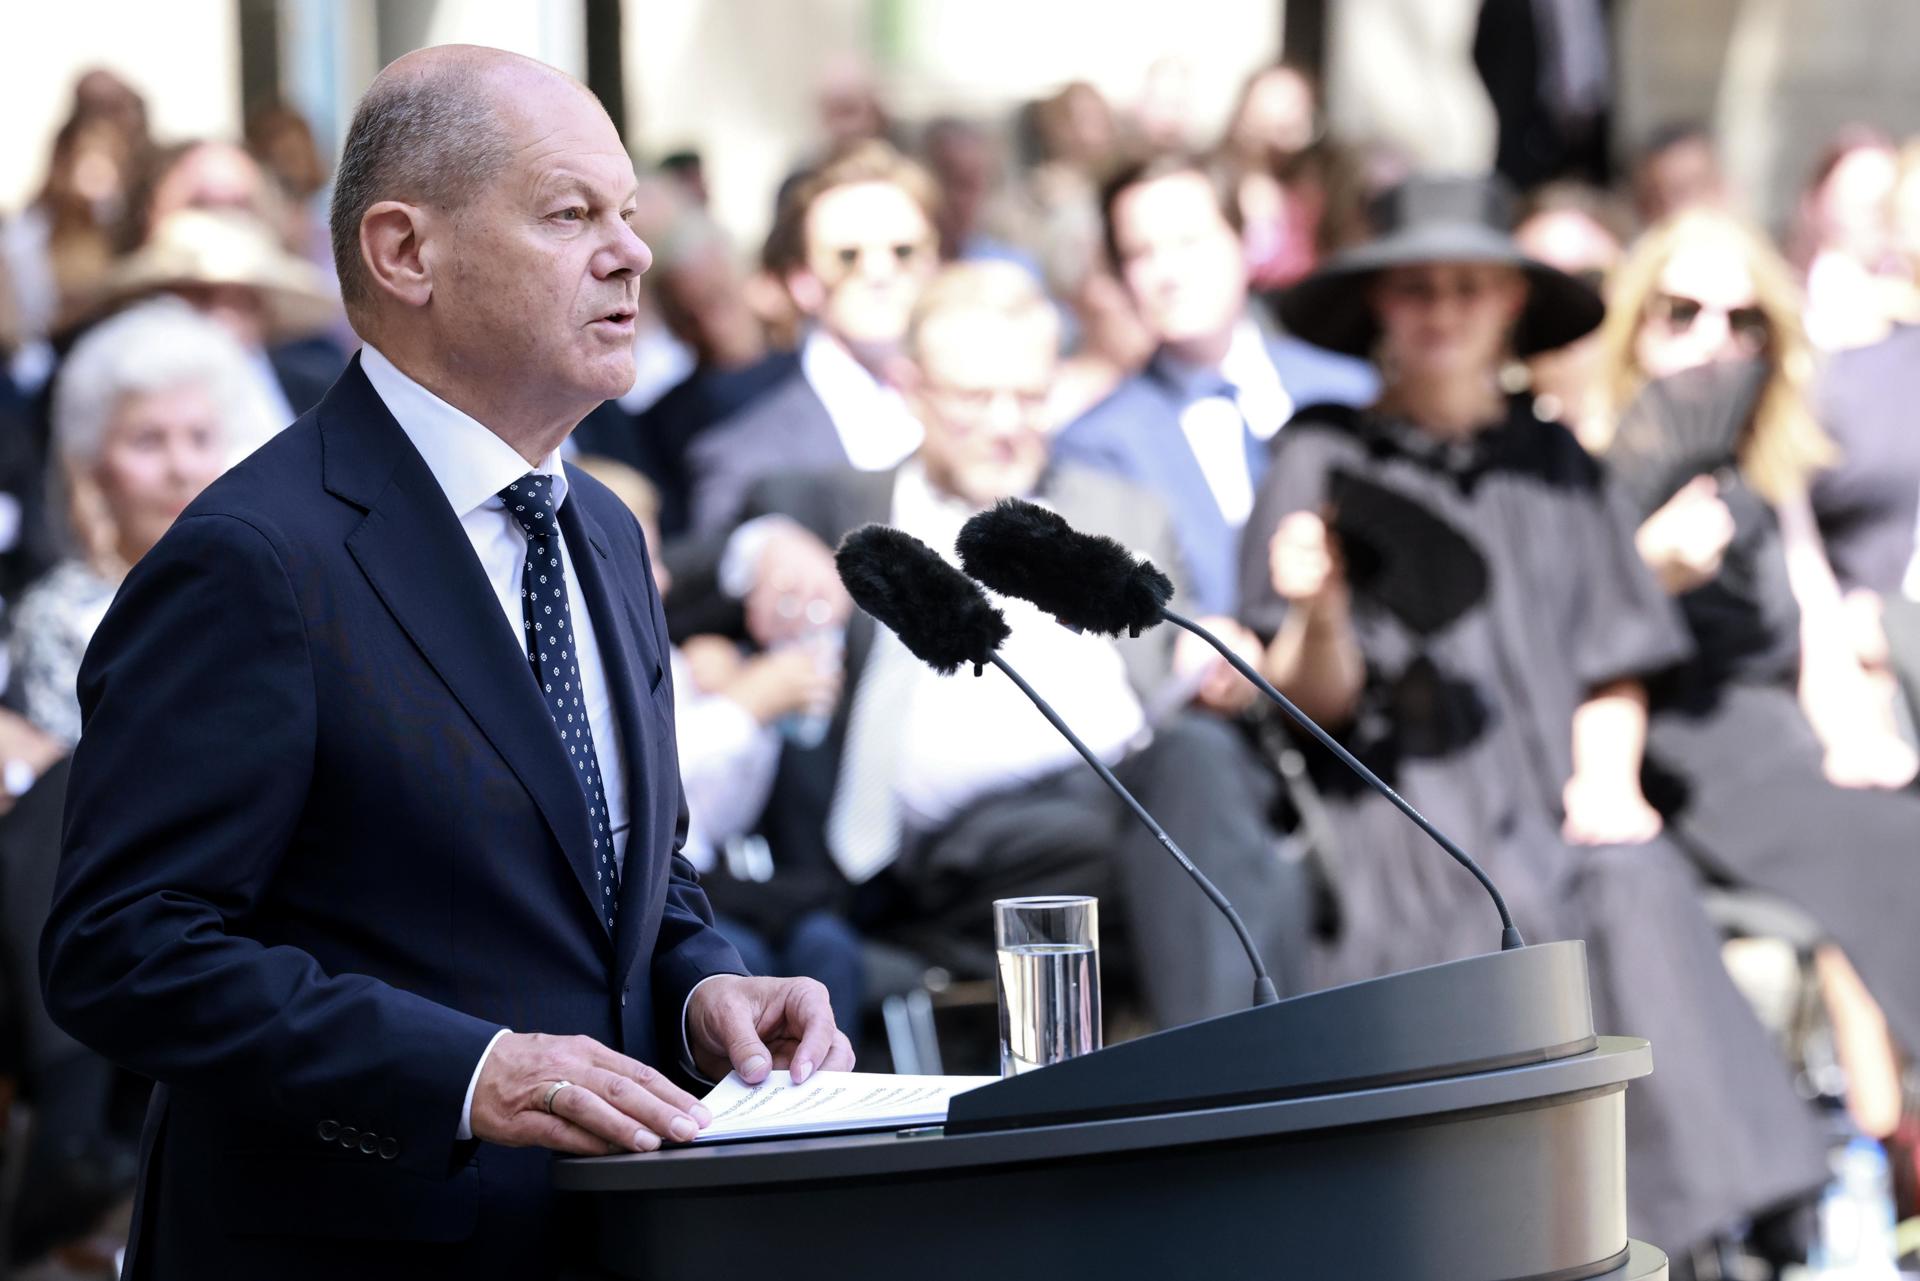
[1086, 581]
[939, 614]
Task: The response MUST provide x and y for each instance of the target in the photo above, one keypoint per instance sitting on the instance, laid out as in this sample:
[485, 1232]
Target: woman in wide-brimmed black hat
[1449, 579]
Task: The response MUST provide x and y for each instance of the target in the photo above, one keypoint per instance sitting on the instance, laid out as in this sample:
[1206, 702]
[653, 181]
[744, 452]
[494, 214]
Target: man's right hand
[614, 1103]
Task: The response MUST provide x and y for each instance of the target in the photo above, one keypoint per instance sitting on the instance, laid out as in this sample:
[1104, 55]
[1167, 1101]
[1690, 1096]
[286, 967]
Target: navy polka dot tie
[556, 665]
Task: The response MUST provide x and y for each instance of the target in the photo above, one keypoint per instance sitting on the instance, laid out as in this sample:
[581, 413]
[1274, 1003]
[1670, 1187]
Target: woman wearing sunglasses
[1773, 757]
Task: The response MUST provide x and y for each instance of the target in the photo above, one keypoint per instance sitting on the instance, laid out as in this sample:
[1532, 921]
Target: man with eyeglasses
[863, 246]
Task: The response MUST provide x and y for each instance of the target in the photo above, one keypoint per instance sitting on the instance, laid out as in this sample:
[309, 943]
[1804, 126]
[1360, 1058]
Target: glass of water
[1048, 953]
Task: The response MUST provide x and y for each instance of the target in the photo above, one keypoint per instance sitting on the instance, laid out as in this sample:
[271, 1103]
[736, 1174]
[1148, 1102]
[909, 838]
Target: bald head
[434, 128]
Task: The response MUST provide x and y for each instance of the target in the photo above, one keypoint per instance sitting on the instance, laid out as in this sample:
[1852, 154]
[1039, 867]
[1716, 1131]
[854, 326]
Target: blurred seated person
[965, 162]
[863, 245]
[56, 247]
[686, 169]
[1855, 282]
[700, 296]
[1868, 500]
[931, 796]
[220, 177]
[1579, 230]
[1676, 168]
[144, 408]
[1275, 151]
[230, 266]
[1705, 289]
[1445, 581]
[1196, 425]
[1771, 754]
[727, 709]
[1905, 216]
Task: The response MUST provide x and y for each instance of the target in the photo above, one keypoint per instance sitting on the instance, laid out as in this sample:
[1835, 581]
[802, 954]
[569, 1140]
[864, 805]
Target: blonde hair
[1001, 290]
[1784, 446]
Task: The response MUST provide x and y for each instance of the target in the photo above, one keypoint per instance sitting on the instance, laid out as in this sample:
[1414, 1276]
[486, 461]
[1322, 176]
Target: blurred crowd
[1586, 514]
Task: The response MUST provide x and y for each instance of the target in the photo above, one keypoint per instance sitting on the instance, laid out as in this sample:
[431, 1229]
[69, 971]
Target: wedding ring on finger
[552, 1091]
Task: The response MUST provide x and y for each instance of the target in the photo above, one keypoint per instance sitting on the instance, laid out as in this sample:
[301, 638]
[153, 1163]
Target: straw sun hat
[222, 247]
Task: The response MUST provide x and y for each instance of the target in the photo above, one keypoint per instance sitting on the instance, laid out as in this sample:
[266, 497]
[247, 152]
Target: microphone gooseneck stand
[1263, 989]
[1509, 933]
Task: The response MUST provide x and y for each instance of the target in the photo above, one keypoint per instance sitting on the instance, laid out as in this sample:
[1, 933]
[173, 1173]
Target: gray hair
[431, 139]
[155, 346]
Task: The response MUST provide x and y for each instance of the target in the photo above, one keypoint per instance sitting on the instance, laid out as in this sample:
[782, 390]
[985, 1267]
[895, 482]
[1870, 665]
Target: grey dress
[1473, 724]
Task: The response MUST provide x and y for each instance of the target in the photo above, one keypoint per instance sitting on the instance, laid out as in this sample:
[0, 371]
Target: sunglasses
[902, 255]
[1748, 324]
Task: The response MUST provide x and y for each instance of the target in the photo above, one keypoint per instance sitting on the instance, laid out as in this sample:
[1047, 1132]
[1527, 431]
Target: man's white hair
[155, 346]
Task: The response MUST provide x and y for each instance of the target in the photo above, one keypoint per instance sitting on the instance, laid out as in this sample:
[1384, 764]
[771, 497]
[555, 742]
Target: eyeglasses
[1747, 325]
[974, 404]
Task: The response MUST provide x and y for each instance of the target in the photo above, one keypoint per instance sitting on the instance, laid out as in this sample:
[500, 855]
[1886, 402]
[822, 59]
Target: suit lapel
[630, 659]
[418, 559]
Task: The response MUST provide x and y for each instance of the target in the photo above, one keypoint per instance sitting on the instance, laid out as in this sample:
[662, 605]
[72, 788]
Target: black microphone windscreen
[1087, 581]
[939, 614]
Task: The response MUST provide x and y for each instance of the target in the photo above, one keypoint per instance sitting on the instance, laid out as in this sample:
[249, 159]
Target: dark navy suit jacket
[322, 841]
[1135, 432]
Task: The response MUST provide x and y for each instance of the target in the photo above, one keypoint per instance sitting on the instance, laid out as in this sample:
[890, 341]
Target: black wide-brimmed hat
[1427, 220]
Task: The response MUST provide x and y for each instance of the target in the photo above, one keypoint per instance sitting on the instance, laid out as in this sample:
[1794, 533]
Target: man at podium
[372, 852]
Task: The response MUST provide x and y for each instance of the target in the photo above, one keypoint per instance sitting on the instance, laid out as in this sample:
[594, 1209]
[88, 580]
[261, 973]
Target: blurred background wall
[739, 79]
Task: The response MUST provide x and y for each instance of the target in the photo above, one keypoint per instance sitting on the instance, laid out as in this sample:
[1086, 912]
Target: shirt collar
[1245, 351]
[471, 464]
[836, 377]
[1246, 375]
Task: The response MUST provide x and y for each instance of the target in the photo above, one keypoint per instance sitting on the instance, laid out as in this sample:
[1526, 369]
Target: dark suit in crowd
[305, 368]
[786, 428]
[1135, 433]
[323, 842]
[657, 440]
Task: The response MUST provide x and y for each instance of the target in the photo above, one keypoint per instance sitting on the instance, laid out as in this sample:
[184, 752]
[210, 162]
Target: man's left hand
[755, 1025]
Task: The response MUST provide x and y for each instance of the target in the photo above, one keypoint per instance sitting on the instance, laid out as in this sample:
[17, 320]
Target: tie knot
[529, 500]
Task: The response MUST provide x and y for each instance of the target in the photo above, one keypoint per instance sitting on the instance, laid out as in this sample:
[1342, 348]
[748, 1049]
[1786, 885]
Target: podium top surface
[1478, 1014]
[1609, 1065]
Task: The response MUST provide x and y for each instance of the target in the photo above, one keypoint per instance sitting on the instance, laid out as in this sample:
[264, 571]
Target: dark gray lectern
[1455, 1123]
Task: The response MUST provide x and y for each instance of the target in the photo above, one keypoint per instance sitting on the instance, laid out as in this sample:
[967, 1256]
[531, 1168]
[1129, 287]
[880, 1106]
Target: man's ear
[391, 247]
[808, 291]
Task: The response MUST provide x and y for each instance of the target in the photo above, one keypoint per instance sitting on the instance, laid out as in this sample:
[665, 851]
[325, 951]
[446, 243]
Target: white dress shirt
[962, 737]
[876, 428]
[472, 466]
[727, 764]
[1215, 425]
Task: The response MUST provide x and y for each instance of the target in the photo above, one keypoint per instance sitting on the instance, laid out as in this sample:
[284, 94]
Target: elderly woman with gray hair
[147, 410]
